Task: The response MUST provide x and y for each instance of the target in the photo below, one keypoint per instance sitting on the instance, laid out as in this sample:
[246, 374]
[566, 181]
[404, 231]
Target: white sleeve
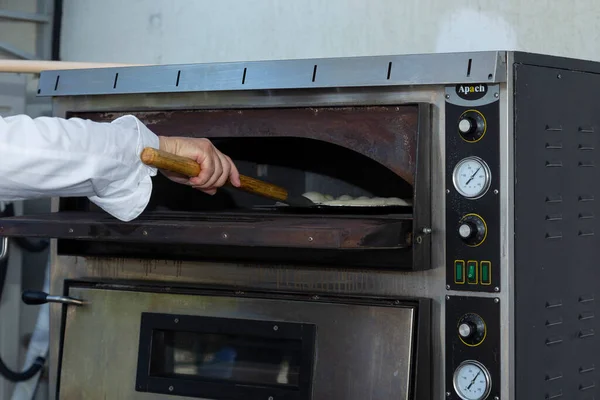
[54, 157]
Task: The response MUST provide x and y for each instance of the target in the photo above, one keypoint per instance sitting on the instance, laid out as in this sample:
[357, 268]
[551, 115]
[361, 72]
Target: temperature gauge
[472, 381]
[472, 177]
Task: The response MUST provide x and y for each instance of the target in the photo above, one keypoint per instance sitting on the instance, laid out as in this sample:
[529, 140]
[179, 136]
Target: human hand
[215, 167]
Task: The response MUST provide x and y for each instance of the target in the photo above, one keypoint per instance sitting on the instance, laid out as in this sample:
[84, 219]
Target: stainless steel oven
[461, 292]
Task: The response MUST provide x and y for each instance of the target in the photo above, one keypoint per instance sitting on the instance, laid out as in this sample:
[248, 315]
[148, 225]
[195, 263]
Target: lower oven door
[127, 343]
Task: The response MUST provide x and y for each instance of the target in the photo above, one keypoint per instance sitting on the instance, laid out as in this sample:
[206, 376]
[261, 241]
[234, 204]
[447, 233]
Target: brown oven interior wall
[386, 134]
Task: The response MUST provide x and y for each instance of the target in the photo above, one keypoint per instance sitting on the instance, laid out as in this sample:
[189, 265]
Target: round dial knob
[466, 329]
[471, 126]
[471, 329]
[472, 230]
[467, 125]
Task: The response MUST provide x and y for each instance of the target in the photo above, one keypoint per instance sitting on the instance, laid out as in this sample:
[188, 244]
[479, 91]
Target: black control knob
[472, 230]
[471, 126]
[471, 329]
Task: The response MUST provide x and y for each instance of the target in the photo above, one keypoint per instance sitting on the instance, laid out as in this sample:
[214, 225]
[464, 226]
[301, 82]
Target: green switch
[472, 272]
[486, 273]
[459, 272]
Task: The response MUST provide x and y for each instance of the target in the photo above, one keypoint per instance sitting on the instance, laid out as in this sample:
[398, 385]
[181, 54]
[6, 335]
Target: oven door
[128, 342]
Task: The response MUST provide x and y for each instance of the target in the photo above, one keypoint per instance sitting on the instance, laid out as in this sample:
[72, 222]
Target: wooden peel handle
[170, 162]
[190, 168]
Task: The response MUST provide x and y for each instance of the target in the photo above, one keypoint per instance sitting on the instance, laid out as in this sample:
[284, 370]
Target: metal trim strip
[417, 69]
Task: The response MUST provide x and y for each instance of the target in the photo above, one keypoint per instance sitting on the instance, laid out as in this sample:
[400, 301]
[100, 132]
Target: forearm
[48, 157]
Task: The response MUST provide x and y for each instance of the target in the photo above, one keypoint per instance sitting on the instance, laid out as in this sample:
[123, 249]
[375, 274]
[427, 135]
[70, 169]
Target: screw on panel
[70, 230]
[496, 300]
[496, 289]
[310, 239]
[396, 302]
[224, 235]
[176, 320]
[315, 297]
[447, 297]
[448, 394]
[496, 95]
[270, 398]
[427, 231]
[447, 287]
[559, 76]
[447, 191]
[171, 388]
[496, 398]
[145, 233]
[447, 96]
[275, 328]
[495, 191]
[419, 239]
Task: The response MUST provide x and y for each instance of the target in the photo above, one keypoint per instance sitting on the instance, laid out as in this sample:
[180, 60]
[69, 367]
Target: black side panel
[557, 272]
[570, 64]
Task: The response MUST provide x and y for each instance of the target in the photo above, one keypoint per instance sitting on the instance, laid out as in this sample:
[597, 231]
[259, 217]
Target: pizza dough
[315, 197]
[348, 201]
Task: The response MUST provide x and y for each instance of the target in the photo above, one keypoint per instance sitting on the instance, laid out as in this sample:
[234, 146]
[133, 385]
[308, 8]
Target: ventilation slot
[554, 128]
[584, 316]
[554, 217]
[554, 199]
[586, 299]
[553, 341]
[550, 378]
[554, 323]
[389, 70]
[116, 79]
[586, 333]
[178, 76]
[554, 146]
[585, 370]
[314, 75]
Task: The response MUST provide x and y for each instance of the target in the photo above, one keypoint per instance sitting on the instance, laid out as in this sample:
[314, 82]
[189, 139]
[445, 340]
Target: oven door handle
[34, 297]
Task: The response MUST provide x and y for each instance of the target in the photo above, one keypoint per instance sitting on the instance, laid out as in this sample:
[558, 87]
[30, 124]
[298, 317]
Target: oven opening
[377, 156]
[322, 170]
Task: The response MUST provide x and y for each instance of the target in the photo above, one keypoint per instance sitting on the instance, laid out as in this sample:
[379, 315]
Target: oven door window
[221, 358]
[233, 358]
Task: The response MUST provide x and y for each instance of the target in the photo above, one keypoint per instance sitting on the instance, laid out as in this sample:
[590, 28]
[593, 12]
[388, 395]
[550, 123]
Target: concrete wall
[180, 31]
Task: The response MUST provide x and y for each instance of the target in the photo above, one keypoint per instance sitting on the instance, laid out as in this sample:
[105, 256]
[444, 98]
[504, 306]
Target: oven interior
[365, 152]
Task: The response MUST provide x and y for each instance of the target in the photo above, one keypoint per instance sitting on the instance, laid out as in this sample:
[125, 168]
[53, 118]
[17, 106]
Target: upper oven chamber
[368, 150]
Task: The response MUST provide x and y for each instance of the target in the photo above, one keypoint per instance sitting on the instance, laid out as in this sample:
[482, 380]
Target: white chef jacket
[54, 157]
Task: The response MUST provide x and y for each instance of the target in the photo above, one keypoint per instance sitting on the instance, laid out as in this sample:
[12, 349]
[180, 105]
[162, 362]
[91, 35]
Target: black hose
[39, 361]
[25, 375]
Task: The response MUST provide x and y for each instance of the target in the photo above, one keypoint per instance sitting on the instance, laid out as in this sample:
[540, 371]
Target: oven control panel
[473, 334]
[472, 188]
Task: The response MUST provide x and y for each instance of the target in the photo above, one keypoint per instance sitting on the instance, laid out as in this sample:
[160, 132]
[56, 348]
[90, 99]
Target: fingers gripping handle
[190, 168]
[170, 162]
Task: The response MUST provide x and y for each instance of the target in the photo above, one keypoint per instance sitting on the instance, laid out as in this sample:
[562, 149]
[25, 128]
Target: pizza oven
[456, 189]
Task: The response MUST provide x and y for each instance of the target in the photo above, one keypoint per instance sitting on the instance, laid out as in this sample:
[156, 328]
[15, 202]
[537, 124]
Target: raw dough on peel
[395, 201]
[364, 201]
[315, 197]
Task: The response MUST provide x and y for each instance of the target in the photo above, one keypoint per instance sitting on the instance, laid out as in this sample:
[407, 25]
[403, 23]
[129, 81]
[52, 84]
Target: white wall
[180, 31]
